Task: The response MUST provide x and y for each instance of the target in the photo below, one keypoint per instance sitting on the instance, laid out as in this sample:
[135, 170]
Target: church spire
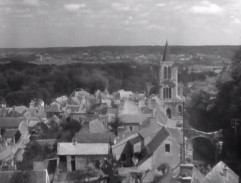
[166, 53]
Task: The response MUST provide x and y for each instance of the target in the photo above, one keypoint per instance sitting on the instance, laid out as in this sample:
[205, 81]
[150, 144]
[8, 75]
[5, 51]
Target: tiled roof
[10, 122]
[217, 175]
[82, 148]
[24, 176]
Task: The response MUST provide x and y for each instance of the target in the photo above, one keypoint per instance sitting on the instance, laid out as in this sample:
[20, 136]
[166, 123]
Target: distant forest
[224, 51]
[20, 82]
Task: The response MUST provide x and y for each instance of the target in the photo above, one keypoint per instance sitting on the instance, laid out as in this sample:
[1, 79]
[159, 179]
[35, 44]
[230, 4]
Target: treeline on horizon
[22, 82]
[222, 50]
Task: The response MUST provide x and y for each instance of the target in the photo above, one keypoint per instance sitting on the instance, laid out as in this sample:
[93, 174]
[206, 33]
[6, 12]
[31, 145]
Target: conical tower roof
[166, 53]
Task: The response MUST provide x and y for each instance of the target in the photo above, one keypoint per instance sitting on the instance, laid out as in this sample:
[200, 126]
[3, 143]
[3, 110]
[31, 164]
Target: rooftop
[11, 122]
[65, 148]
[24, 176]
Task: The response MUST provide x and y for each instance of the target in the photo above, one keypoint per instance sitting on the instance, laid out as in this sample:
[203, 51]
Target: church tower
[172, 103]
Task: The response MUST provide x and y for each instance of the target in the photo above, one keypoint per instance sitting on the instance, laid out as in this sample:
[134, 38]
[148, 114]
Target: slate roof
[65, 148]
[153, 128]
[132, 137]
[73, 108]
[11, 122]
[160, 136]
[53, 108]
[96, 126]
[94, 137]
[50, 142]
[24, 176]
[10, 133]
[216, 175]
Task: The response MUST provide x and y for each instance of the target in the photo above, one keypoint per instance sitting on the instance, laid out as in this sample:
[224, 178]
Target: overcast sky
[48, 23]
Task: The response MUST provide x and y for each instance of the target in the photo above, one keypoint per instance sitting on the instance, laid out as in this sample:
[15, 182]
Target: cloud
[206, 8]
[74, 7]
[121, 7]
[235, 20]
[160, 4]
[34, 3]
[155, 27]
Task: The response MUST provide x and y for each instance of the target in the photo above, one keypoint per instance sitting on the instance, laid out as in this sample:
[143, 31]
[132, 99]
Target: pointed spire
[166, 53]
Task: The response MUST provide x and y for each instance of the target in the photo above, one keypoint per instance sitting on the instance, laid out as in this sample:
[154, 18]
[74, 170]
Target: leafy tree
[115, 124]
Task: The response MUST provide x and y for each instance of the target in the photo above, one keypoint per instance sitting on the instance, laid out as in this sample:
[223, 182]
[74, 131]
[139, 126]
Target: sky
[66, 23]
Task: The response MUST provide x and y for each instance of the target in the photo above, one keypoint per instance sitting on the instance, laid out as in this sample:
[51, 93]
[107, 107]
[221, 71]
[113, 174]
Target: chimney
[186, 171]
[115, 140]
[225, 171]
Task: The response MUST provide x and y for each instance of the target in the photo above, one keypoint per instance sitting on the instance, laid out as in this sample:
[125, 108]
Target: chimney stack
[186, 171]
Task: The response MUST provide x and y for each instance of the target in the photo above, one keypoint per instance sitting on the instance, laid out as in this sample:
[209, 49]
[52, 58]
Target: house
[130, 123]
[97, 126]
[10, 123]
[188, 173]
[24, 176]
[35, 112]
[124, 149]
[3, 102]
[54, 109]
[10, 136]
[85, 137]
[152, 146]
[221, 173]
[125, 94]
[78, 156]
[62, 100]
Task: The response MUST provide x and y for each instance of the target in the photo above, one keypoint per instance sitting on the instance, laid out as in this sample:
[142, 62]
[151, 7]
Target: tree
[115, 124]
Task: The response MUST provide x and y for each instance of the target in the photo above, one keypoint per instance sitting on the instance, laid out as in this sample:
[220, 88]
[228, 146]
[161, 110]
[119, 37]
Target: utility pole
[183, 134]
[235, 124]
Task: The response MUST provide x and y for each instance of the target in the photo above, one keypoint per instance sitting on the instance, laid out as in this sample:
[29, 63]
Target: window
[167, 72]
[131, 128]
[179, 110]
[167, 148]
[169, 113]
[167, 93]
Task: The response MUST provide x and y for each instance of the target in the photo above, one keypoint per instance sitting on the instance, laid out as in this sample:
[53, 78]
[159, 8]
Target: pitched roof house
[77, 156]
[153, 146]
[221, 173]
[82, 149]
[11, 123]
